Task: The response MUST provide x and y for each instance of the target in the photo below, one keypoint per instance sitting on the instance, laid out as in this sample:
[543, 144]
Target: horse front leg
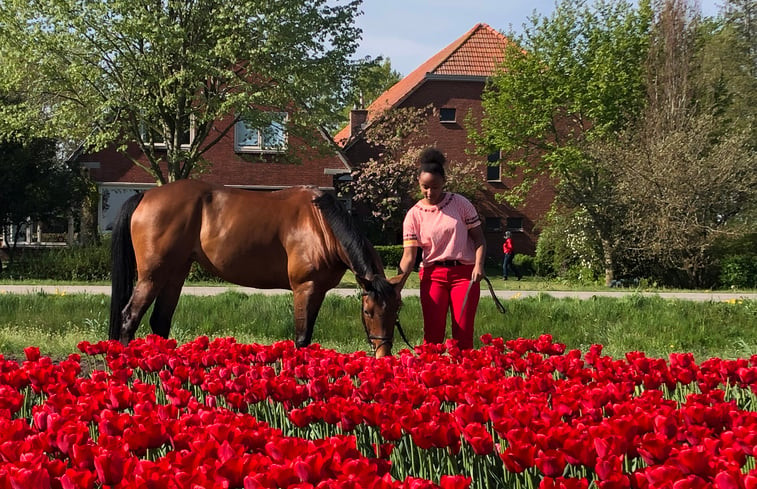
[307, 302]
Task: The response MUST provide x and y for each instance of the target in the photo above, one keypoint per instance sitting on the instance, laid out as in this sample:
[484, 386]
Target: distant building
[242, 158]
[453, 81]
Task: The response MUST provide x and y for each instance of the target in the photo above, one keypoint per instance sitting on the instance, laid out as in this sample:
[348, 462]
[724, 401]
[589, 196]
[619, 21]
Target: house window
[447, 115]
[493, 168]
[515, 224]
[269, 139]
[493, 224]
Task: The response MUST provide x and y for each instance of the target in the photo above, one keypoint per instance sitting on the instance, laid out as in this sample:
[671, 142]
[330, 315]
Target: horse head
[382, 299]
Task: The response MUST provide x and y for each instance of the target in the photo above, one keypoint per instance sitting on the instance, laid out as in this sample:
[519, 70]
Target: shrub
[524, 263]
[199, 274]
[739, 271]
[76, 263]
[564, 247]
[390, 255]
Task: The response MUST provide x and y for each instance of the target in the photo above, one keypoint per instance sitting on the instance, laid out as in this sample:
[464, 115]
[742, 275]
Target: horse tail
[124, 265]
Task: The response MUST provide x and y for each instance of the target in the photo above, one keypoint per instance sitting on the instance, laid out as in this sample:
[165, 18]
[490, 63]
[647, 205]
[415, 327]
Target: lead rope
[499, 305]
[402, 333]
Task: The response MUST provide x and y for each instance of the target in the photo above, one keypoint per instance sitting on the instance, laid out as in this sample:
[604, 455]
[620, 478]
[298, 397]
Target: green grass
[657, 326]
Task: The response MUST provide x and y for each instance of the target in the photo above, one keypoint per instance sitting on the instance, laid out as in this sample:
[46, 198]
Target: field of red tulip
[522, 413]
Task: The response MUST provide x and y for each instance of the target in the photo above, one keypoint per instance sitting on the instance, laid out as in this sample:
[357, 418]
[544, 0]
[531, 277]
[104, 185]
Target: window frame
[492, 224]
[443, 120]
[261, 147]
[514, 220]
[490, 159]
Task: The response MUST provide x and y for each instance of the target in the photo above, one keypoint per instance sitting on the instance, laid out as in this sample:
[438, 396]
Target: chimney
[357, 121]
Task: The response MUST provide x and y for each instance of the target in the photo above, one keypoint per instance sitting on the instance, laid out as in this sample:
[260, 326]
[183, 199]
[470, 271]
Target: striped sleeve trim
[472, 222]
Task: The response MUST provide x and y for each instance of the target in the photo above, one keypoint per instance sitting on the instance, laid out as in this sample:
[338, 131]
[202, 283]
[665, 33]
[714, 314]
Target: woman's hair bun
[432, 155]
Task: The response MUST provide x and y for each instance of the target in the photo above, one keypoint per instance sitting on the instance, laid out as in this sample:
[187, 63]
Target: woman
[446, 227]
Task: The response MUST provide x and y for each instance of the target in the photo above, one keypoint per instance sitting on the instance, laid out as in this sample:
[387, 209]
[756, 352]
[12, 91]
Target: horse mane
[363, 257]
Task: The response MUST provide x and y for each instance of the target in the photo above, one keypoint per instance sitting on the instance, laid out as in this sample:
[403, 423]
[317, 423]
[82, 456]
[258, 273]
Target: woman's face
[432, 187]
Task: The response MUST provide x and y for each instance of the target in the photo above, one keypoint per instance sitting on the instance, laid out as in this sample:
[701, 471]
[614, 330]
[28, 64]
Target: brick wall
[300, 166]
[452, 139]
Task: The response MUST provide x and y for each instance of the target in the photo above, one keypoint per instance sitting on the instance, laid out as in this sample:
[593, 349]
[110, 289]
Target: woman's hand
[478, 273]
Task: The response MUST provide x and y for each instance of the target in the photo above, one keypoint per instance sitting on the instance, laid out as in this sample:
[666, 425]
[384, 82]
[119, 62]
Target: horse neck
[349, 246]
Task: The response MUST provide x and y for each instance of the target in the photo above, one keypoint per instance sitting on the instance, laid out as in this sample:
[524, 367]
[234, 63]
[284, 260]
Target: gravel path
[503, 294]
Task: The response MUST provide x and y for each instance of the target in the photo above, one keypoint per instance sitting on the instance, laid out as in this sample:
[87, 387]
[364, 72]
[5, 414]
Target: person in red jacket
[507, 263]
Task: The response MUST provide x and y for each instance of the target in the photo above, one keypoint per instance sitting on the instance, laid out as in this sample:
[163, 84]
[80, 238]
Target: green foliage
[199, 274]
[372, 78]
[566, 250]
[464, 178]
[574, 77]
[77, 263]
[525, 263]
[570, 77]
[390, 255]
[34, 184]
[116, 72]
[739, 271]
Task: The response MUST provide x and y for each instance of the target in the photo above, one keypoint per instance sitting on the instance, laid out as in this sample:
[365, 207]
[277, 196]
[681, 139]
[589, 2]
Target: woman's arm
[407, 262]
[479, 243]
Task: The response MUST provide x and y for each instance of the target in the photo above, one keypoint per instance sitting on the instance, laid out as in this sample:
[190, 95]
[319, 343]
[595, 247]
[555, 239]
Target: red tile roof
[475, 53]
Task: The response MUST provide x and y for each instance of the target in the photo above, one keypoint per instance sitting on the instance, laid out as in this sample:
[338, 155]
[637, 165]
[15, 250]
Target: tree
[686, 170]
[571, 78]
[741, 15]
[372, 78]
[121, 71]
[35, 185]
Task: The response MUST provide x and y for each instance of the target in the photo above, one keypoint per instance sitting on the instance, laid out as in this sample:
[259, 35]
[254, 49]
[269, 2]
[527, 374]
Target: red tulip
[78, 479]
[32, 353]
[479, 438]
[616, 481]
[729, 480]
[550, 462]
[110, 466]
[563, 483]
[454, 482]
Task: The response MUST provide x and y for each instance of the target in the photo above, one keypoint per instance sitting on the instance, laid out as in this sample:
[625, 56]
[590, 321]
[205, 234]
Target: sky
[409, 32]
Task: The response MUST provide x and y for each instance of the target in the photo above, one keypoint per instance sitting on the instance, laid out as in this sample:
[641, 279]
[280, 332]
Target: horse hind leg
[307, 302]
[144, 294]
[166, 302]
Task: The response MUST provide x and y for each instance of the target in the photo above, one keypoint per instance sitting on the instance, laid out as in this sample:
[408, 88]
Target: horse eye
[368, 313]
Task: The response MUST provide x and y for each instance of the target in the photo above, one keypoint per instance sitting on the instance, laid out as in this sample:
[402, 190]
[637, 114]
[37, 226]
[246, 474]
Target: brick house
[240, 159]
[453, 81]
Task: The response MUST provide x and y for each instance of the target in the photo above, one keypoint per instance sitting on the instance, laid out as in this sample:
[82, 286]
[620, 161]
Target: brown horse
[299, 238]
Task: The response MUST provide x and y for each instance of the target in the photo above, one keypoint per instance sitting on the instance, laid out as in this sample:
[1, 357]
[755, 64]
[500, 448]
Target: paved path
[503, 294]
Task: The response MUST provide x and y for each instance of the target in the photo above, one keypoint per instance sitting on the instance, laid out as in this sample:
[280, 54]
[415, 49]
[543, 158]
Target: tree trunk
[88, 232]
[609, 262]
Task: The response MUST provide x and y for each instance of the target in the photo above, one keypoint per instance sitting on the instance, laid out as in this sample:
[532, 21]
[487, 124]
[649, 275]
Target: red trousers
[443, 291]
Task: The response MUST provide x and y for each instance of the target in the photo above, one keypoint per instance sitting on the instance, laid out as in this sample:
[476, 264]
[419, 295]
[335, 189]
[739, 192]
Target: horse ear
[364, 283]
[399, 281]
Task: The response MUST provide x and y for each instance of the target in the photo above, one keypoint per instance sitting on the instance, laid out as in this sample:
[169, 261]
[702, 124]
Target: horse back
[257, 239]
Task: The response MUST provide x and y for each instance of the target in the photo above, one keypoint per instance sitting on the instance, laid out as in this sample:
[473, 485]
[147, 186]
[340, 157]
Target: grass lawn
[657, 326]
